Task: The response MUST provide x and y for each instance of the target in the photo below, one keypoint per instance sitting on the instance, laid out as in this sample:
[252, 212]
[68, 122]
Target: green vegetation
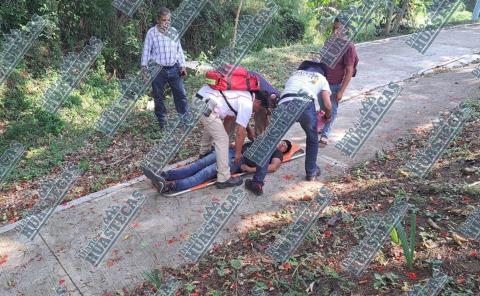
[399, 237]
[51, 140]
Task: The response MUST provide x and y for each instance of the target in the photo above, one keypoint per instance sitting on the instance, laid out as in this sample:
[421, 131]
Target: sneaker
[323, 141]
[314, 178]
[254, 187]
[159, 185]
[169, 186]
[151, 175]
[232, 182]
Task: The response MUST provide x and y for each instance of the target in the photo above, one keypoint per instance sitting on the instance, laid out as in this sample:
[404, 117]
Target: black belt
[199, 96]
[169, 67]
[288, 96]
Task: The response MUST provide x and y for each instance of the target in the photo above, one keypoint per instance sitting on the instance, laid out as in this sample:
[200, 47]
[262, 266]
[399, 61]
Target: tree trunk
[388, 18]
[400, 15]
[234, 39]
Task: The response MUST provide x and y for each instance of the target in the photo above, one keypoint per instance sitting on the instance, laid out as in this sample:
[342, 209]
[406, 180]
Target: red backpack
[239, 79]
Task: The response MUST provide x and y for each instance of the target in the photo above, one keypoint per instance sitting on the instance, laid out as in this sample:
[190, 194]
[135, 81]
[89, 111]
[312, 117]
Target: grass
[54, 140]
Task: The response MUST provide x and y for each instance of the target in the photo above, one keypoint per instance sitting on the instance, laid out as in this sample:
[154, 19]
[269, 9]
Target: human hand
[245, 168]
[327, 120]
[339, 96]
[183, 72]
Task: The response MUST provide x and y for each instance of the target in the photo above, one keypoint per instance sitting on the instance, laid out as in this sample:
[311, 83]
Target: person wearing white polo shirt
[238, 104]
[308, 78]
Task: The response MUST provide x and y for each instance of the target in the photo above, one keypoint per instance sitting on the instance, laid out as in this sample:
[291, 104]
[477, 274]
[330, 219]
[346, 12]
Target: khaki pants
[214, 132]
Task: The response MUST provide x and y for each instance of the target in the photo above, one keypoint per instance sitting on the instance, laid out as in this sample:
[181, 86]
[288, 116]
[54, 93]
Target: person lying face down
[205, 169]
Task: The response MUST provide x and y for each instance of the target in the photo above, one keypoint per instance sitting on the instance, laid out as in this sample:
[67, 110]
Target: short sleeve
[350, 55]
[277, 154]
[324, 85]
[245, 110]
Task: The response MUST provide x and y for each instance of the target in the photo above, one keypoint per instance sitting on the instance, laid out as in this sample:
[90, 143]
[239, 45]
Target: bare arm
[346, 81]
[239, 141]
[229, 124]
[250, 133]
[274, 165]
[327, 103]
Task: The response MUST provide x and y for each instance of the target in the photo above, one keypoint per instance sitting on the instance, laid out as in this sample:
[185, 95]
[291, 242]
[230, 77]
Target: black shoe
[160, 185]
[314, 178]
[169, 186]
[151, 175]
[232, 182]
[163, 186]
[254, 187]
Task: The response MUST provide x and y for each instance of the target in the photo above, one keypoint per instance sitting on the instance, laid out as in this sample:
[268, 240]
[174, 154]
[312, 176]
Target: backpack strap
[226, 101]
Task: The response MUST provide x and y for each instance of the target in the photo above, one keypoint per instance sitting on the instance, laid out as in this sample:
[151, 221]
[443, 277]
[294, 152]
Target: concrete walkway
[156, 233]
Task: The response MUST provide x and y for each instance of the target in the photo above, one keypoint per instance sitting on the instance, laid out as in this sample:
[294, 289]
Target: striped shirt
[161, 49]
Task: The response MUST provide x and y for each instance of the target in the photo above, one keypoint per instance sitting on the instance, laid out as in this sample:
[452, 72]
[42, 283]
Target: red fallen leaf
[286, 266]
[110, 263]
[474, 253]
[72, 207]
[460, 280]
[288, 177]
[3, 259]
[60, 282]
[467, 199]
[327, 233]
[233, 286]
[171, 241]
[135, 225]
[444, 233]
[204, 276]
[412, 275]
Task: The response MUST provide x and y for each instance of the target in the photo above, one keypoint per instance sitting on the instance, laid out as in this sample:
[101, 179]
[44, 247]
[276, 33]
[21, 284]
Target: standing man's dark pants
[308, 121]
[172, 76]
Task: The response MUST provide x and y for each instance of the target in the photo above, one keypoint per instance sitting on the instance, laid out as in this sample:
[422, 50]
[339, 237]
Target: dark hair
[262, 95]
[289, 145]
[312, 66]
[163, 11]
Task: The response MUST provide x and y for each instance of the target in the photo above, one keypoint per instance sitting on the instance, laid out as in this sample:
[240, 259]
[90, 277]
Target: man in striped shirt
[168, 53]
